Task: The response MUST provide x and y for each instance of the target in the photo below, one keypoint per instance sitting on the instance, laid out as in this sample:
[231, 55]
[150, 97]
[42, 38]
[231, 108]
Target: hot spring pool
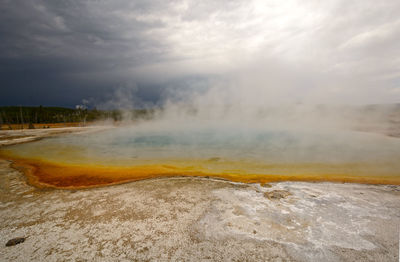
[263, 155]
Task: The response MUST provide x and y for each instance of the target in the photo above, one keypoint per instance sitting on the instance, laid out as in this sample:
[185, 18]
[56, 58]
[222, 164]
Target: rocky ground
[199, 219]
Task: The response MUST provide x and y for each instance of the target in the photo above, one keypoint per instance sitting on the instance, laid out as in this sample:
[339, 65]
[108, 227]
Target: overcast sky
[62, 52]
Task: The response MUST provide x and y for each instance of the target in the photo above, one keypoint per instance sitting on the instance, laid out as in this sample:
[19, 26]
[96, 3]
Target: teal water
[266, 146]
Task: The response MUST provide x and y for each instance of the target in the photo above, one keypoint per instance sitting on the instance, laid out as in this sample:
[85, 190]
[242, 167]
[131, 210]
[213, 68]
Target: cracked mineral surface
[192, 219]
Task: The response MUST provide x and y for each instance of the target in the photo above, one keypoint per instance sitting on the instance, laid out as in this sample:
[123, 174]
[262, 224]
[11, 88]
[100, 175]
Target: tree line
[24, 115]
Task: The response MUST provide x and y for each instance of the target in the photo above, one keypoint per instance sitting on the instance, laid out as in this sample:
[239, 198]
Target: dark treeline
[42, 115]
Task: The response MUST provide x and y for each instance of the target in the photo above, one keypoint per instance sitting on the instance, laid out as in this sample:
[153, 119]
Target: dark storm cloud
[60, 52]
[72, 48]
[74, 30]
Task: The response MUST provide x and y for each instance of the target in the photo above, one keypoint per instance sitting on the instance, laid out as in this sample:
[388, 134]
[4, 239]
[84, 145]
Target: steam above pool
[236, 152]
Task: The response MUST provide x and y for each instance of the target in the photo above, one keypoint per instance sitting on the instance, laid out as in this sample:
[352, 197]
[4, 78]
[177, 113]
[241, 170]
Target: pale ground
[194, 219]
[10, 137]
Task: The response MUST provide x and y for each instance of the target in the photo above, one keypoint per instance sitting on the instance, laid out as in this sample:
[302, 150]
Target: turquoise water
[264, 146]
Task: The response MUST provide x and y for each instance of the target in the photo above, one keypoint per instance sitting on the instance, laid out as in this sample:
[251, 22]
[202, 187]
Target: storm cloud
[61, 52]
